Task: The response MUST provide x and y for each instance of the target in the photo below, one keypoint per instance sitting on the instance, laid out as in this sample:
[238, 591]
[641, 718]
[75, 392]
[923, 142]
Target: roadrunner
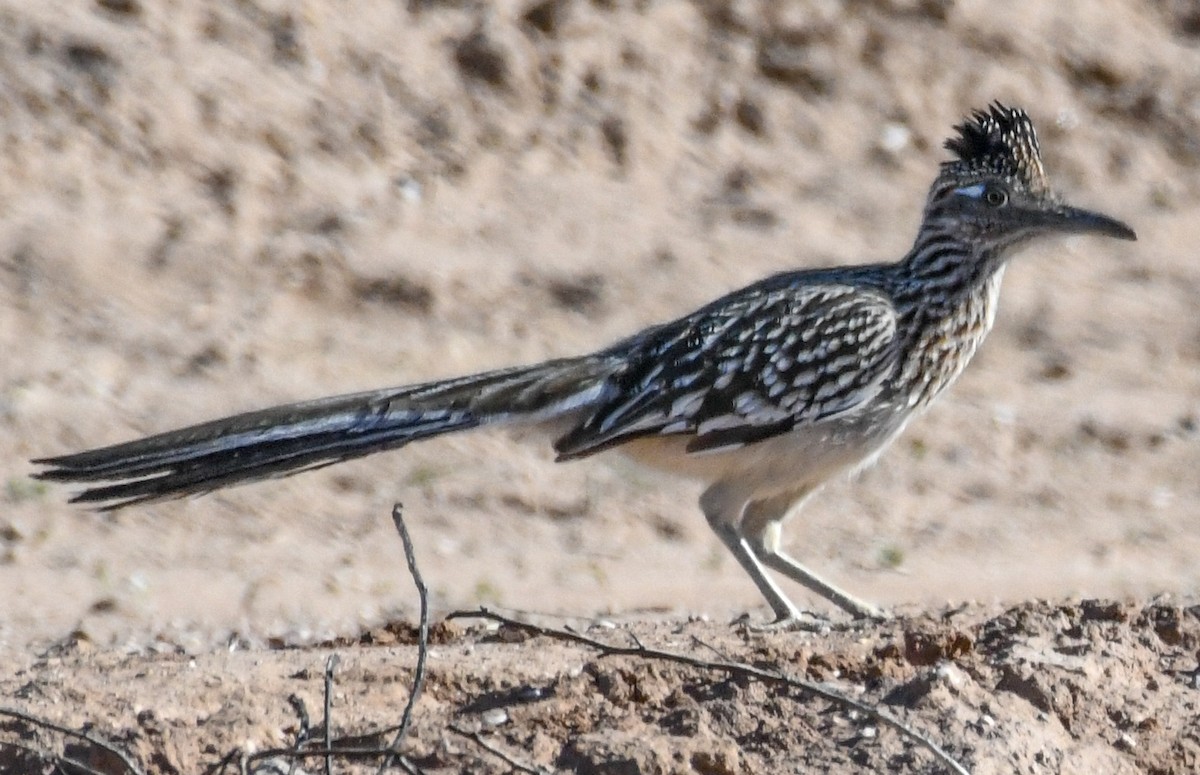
[763, 394]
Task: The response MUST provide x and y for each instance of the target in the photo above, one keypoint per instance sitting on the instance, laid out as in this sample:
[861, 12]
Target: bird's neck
[947, 297]
[944, 266]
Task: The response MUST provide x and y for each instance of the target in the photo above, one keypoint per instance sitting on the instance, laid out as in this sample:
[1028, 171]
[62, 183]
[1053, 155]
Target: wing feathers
[738, 372]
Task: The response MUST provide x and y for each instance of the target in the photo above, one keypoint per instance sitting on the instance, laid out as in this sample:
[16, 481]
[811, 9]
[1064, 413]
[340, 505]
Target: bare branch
[130, 765]
[422, 634]
[45, 755]
[329, 748]
[476, 738]
[730, 668]
[330, 665]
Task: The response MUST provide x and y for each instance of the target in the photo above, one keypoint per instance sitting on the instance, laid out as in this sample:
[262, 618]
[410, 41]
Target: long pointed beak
[1078, 221]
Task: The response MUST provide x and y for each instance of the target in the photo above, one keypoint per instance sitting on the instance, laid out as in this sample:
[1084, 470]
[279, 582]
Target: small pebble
[1126, 742]
[895, 137]
[494, 717]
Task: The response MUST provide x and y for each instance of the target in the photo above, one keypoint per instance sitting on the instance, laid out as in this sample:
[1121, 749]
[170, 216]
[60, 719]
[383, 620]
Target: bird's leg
[723, 514]
[762, 526]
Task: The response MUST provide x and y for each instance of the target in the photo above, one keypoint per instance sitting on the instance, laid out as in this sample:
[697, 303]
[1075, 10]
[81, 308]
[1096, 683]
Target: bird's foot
[862, 611]
[795, 621]
[800, 621]
[865, 613]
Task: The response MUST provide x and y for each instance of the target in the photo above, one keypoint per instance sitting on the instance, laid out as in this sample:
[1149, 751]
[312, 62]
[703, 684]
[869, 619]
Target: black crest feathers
[999, 140]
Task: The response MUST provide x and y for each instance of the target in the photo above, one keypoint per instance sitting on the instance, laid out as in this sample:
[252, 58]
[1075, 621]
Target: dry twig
[326, 747]
[36, 721]
[422, 636]
[330, 665]
[730, 668]
[477, 738]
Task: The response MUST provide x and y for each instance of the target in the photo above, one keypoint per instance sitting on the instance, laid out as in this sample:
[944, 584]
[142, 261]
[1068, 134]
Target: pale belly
[799, 460]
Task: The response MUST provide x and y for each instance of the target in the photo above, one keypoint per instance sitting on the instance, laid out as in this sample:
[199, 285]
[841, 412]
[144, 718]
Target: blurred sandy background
[207, 207]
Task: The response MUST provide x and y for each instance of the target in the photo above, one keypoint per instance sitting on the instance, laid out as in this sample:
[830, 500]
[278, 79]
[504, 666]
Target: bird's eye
[996, 197]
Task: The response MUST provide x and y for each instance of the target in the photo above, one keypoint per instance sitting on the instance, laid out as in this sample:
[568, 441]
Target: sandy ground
[207, 207]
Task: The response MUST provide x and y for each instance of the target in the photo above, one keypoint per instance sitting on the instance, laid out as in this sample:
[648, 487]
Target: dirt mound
[1092, 687]
[207, 207]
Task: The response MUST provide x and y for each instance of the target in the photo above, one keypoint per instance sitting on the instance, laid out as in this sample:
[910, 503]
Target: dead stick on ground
[330, 665]
[301, 711]
[730, 668]
[45, 755]
[422, 635]
[391, 755]
[95, 740]
[477, 738]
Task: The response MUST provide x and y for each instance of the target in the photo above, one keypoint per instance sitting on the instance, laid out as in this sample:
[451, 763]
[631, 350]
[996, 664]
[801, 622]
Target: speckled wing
[747, 368]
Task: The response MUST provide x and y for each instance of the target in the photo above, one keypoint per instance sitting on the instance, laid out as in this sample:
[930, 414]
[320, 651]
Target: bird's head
[994, 194]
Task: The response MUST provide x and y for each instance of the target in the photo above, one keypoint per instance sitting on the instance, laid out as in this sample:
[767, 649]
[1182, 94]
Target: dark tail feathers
[288, 439]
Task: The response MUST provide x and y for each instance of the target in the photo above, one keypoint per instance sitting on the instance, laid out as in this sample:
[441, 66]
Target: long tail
[288, 439]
